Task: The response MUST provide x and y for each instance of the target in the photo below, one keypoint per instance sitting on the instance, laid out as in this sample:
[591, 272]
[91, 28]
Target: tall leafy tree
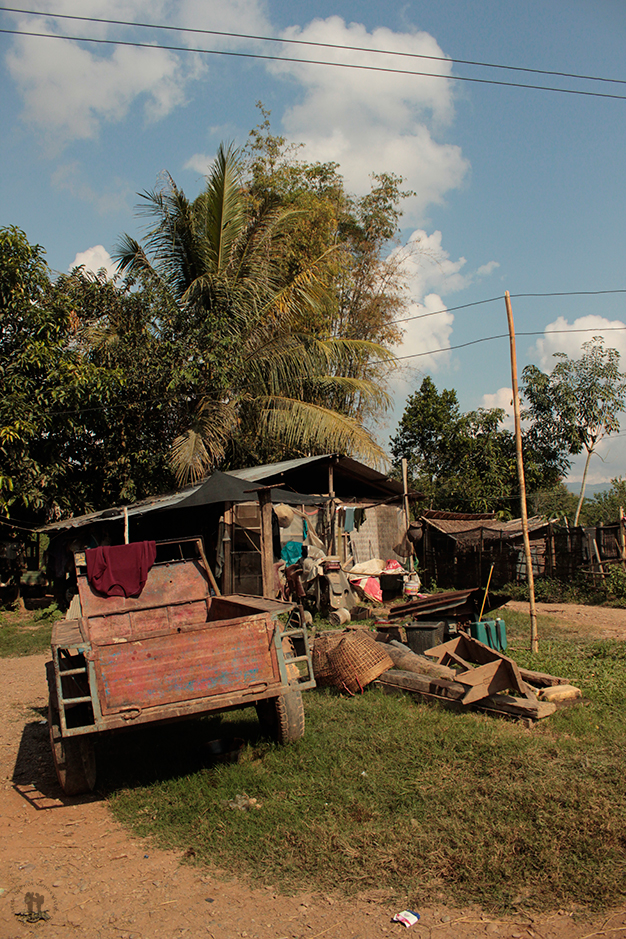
[463, 461]
[256, 374]
[575, 406]
[44, 383]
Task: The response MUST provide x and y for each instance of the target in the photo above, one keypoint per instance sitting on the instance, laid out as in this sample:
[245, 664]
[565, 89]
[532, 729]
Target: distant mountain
[590, 489]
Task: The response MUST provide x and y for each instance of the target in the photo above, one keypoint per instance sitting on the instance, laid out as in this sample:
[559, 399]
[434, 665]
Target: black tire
[282, 718]
[74, 757]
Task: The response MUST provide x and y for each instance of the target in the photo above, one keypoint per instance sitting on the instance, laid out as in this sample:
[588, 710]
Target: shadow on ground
[137, 756]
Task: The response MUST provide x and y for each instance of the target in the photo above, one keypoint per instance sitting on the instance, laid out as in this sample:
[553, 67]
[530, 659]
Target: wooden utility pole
[534, 642]
[407, 516]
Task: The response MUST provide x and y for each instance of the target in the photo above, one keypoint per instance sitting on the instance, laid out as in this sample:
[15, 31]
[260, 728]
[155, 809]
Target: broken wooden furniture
[483, 671]
[472, 676]
[451, 694]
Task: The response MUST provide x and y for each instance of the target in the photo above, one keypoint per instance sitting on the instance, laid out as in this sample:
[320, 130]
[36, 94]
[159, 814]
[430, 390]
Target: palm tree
[252, 377]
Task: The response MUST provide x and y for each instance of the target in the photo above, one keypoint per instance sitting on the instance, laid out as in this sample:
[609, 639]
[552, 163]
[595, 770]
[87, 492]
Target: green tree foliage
[555, 503]
[604, 507]
[255, 323]
[577, 404]
[463, 462]
[74, 355]
[364, 286]
[245, 329]
[43, 380]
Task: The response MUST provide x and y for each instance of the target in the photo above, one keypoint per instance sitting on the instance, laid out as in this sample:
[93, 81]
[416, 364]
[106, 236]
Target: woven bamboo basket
[322, 669]
[357, 660]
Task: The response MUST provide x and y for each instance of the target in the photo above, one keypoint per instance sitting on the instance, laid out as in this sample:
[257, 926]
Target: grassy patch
[429, 804]
[26, 633]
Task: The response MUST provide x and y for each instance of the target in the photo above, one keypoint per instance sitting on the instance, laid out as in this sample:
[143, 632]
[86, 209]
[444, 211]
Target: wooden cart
[174, 651]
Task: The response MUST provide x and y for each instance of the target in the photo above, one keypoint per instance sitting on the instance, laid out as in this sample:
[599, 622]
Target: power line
[280, 58]
[452, 309]
[541, 332]
[400, 358]
[308, 42]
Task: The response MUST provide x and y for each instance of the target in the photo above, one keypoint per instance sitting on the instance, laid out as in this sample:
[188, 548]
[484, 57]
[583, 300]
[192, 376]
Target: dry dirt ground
[71, 859]
[602, 622]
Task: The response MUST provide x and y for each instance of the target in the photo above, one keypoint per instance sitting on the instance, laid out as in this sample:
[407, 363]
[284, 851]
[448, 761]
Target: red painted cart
[175, 651]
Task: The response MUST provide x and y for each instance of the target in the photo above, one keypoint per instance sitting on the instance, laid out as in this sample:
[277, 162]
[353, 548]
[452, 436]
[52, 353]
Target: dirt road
[71, 860]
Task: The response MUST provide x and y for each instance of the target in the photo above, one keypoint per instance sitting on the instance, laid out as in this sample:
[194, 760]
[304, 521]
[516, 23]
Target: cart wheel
[282, 718]
[74, 757]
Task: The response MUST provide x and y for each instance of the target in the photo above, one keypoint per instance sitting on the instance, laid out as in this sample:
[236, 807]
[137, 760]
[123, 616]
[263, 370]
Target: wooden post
[228, 584]
[126, 532]
[552, 550]
[267, 541]
[407, 516]
[622, 535]
[534, 642]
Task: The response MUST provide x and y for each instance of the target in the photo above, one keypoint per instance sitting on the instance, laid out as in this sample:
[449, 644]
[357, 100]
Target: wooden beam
[449, 694]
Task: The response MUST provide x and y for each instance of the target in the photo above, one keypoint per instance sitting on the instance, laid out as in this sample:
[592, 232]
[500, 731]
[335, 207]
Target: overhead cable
[309, 42]
[291, 59]
[541, 332]
[452, 309]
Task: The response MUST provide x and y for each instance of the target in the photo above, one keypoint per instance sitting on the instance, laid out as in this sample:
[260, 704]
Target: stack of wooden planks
[466, 673]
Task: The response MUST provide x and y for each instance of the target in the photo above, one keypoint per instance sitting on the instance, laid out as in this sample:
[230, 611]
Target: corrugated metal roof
[344, 464]
[117, 512]
[251, 474]
[256, 473]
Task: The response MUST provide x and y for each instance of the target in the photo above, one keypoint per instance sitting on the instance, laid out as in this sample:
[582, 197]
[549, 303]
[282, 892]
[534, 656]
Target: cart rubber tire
[74, 758]
[282, 718]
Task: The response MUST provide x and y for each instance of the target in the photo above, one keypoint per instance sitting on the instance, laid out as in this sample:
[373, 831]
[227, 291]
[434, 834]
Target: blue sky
[517, 189]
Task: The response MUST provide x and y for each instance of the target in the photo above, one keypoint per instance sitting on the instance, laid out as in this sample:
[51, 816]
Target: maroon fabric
[120, 570]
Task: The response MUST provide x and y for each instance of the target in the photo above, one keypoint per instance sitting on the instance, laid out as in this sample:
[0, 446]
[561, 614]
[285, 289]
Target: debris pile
[461, 672]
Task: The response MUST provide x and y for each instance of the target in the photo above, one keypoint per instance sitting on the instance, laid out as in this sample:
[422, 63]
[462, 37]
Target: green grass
[26, 634]
[429, 804]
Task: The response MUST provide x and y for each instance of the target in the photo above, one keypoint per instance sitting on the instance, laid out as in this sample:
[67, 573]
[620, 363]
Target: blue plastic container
[490, 631]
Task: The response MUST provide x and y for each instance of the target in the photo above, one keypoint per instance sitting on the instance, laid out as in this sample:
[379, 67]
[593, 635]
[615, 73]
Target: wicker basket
[356, 660]
[322, 669]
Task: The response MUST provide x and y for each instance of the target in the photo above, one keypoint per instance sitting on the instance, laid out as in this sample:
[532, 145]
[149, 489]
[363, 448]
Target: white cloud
[373, 122]
[428, 273]
[486, 269]
[556, 340]
[427, 266]
[94, 259]
[70, 90]
[502, 398]
[608, 461]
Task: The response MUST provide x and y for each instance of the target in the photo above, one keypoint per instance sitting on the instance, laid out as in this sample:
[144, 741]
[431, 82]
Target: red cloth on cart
[120, 570]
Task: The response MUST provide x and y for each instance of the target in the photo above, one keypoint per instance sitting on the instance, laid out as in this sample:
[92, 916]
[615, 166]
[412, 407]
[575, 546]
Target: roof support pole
[407, 514]
[534, 642]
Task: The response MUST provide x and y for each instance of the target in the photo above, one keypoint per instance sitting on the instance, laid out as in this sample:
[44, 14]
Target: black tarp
[222, 487]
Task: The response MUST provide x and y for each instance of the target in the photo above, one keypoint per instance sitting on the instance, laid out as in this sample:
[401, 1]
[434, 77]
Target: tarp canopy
[222, 487]
[218, 488]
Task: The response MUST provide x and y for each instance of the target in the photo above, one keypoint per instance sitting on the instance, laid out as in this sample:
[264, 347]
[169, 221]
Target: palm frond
[312, 428]
[190, 458]
[221, 210]
[201, 447]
